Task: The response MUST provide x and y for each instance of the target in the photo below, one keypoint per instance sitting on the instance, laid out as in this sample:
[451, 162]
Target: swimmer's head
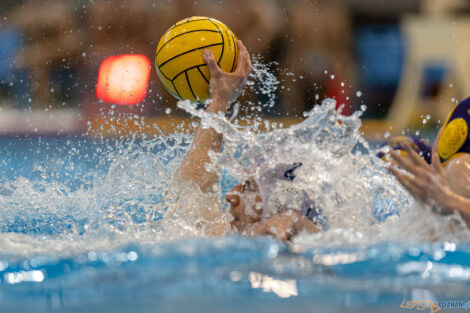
[455, 137]
[258, 197]
[272, 191]
[246, 205]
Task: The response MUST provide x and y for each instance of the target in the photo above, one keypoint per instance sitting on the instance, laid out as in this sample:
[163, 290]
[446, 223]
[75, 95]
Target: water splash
[128, 193]
[121, 198]
[363, 202]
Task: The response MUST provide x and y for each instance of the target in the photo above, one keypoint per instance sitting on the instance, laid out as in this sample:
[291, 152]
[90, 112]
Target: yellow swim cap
[453, 137]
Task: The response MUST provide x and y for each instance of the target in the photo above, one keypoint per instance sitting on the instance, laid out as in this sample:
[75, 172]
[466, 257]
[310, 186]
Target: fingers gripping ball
[179, 61]
[419, 145]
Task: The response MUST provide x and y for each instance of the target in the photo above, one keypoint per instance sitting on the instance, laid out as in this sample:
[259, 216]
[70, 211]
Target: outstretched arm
[430, 184]
[224, 88]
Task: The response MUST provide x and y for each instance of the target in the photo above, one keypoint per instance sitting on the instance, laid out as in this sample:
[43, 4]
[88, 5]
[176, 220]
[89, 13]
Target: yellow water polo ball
[179, 61]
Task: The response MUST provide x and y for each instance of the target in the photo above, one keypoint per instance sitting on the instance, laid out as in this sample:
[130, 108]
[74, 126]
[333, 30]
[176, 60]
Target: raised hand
[226, 87]
[427, 183]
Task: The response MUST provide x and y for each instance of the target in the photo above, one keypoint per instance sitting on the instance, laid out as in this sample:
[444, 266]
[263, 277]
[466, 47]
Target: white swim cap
[278, 192]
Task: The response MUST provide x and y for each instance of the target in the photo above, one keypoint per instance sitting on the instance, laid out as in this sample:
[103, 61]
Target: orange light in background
[123, 79]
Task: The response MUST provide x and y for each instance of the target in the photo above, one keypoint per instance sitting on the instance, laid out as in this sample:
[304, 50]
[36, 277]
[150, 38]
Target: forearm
[283, 225]
[306, 225]
[193, 168]
[457, 196]
[223, 87]
[455, 202]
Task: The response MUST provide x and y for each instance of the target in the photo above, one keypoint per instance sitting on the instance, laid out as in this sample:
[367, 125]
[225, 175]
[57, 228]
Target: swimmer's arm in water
[284, 225]
[430, 184]
[224, 88]
[458, 172]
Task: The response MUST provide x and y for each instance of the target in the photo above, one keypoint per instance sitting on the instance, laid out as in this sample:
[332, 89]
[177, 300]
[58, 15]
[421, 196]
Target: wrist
[217, 105]
[452, 201]
[460, 204]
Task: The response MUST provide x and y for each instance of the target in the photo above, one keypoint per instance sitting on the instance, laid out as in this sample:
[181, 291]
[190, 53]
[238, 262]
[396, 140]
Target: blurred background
[407, 61]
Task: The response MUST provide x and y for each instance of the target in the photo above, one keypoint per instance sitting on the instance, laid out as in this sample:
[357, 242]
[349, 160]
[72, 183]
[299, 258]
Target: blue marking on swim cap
[289, 174]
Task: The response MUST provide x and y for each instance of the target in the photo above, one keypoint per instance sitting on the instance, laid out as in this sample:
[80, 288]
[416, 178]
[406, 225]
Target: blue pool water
[61, 252]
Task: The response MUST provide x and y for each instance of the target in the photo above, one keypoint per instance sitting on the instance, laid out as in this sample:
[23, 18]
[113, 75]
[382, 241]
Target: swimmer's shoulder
[458, 174]
[459, 161]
